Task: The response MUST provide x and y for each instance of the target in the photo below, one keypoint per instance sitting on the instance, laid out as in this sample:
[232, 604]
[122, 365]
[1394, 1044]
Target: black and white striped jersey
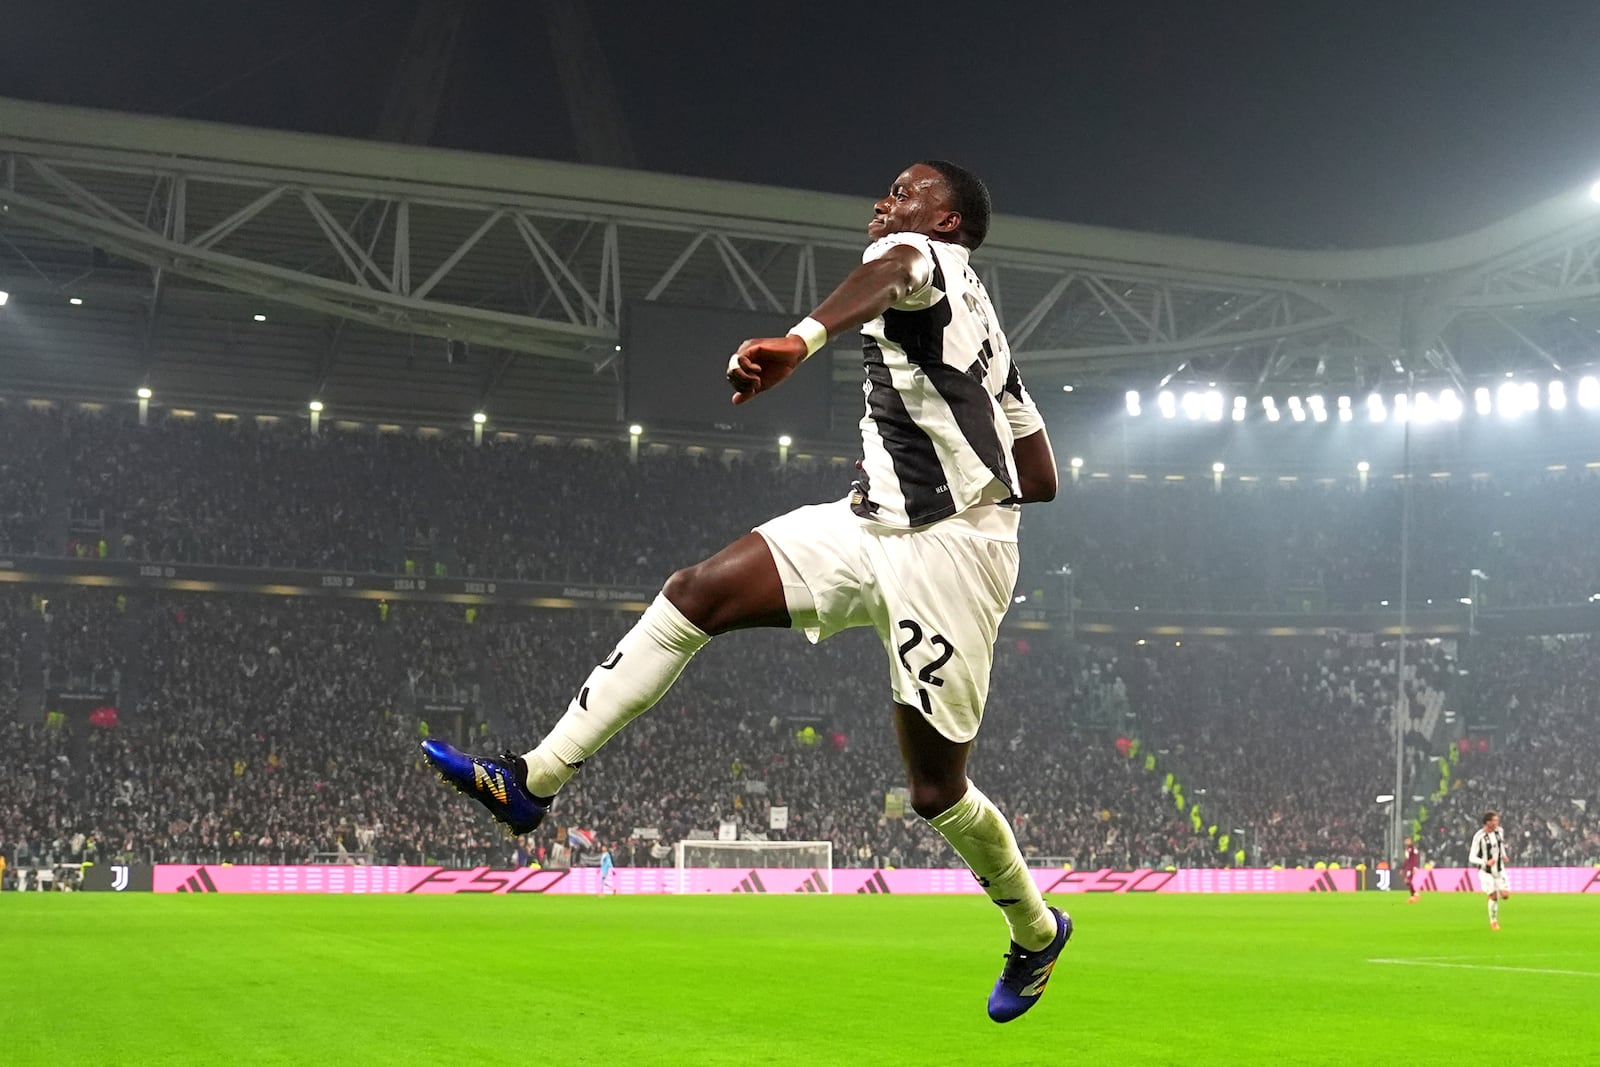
[944, 400]
[1489, 851]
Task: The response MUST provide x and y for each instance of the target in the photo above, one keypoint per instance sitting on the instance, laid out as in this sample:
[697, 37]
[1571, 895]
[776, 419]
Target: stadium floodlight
[259, 317]
[1168, 404]
[315, 405]
[75, 301]
[1213, 406]
[1077, 463]
[1218, 468]
[1132, 400]
[785, 441]
[1270, 406]
[144, 392]
[1530, 396]
[1346, 413]
[1193, 405]
[1422, 408]
[1363, 467]
[1238, 408]
[1297, 409]
[1319, 407]
[1384, 798]
[1482, 400]
[5, 298]
[479, 418]
[635, 430]
[1508, 400]
[1594, 192]
[1066, 388]
[1449, 405]
[1588, 390]
[1402, 407]
[1376, 412]
[1558, 396]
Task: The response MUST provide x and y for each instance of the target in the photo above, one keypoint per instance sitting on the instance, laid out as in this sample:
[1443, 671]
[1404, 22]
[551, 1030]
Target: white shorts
[1493, 883]
[935, 595]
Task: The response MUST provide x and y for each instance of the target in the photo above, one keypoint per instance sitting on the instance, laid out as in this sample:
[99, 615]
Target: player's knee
[931, 799]
[688, 590]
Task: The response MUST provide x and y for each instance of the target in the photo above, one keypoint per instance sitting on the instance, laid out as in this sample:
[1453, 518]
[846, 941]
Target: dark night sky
[1288, 122]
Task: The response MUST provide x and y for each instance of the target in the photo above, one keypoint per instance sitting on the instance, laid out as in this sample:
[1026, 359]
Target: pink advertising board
[216, 878]
[629, 880]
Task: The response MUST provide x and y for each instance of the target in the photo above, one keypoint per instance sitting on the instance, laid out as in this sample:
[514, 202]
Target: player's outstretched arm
[1037, 480]
[871, 289]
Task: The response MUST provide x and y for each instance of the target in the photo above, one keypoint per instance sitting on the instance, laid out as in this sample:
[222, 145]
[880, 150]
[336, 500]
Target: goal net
[793, 855]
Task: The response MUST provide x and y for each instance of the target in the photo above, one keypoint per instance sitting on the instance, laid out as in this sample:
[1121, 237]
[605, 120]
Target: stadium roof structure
[230, 265]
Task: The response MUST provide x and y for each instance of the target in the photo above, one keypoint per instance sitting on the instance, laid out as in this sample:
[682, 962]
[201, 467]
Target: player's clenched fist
[763, 362]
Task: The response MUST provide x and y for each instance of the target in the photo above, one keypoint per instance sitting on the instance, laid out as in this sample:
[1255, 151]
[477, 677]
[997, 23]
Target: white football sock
[1494, 910]
[976, 829]
[638, 673]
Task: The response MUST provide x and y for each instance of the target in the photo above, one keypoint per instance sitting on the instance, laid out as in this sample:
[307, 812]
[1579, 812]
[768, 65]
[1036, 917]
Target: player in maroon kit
[1413, 871]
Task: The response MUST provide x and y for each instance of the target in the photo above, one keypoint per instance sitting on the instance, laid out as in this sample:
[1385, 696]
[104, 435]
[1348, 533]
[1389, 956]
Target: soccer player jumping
[923, 549]
[1489, 856]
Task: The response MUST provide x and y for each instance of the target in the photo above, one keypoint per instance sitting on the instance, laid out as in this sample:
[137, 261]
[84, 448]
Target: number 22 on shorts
[926, 675]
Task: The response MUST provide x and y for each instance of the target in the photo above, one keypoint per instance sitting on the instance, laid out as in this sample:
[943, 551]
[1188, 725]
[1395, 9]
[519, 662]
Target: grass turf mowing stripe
[812, 980]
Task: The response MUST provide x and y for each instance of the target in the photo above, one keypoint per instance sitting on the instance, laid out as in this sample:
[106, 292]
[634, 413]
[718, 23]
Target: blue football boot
[499, 784]
[1022, 982]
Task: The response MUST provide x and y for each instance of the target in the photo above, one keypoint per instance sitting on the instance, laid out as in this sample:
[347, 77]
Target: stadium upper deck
[413, 282]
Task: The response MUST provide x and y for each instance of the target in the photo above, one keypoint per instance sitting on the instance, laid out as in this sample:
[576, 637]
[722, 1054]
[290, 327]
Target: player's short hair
[969, 196]
[1491, 814]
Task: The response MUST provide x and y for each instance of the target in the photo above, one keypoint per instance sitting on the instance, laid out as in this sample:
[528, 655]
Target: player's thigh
[1486, 882]
[940, 598]
[818, 552]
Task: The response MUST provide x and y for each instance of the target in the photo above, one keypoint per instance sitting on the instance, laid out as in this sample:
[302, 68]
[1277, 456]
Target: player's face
[1493, 824]
[918, 202]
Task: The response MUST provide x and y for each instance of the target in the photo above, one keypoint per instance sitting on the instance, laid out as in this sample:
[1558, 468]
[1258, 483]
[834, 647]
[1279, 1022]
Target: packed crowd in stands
[285, 729]
[1290, 742]
[247, 493]
[1541, 696]
[281, 729]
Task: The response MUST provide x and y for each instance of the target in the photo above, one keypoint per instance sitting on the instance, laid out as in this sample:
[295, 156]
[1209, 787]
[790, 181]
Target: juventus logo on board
[119, 877]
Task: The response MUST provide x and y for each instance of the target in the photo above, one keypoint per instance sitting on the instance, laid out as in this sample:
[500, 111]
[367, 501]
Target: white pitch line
[1485, 967]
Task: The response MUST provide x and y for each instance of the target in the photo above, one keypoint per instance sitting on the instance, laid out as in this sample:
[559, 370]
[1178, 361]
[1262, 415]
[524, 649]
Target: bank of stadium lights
[144, 393]
[1077, 463]
[1511, 398]
[5, 298]
[1363, 467]
[1218, 468]
[259, 317]
[785, 441]
[479, 418]
[1588, 392]
[635, 430]
[315, 406]
[1594, 192]
[75, 301]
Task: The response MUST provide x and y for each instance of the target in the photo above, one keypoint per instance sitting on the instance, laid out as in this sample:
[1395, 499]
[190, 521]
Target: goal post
[792, 855]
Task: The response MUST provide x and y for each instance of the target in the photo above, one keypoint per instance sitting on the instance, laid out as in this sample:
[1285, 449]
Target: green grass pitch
[1247, 979]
